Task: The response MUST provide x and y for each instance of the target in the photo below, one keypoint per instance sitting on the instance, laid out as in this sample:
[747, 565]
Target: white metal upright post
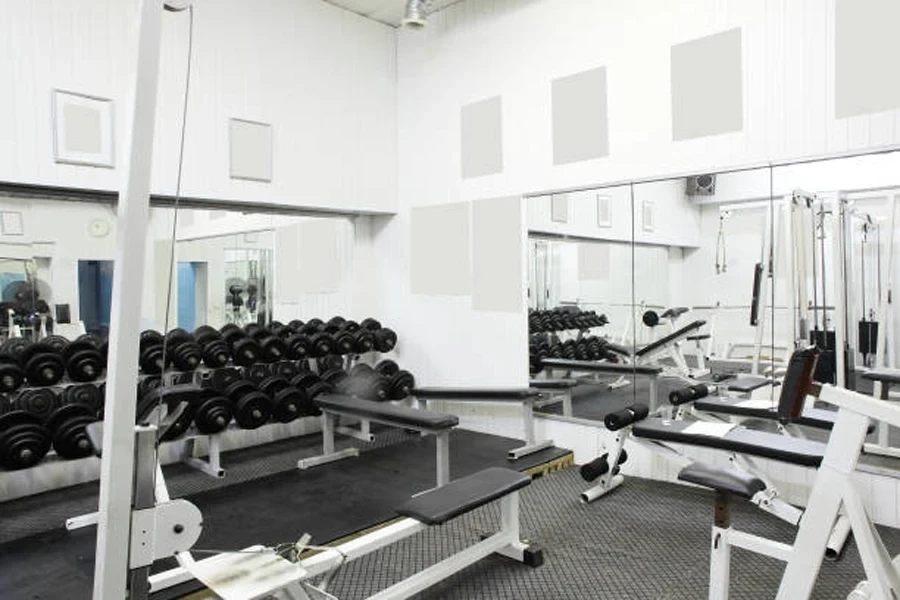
[114, 530]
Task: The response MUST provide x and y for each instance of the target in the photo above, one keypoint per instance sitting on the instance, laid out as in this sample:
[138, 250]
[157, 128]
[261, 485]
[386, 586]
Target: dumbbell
[288, 401]
[285, 368]
[387, 367]
[42, 365]
[84, 361]
[24, 440]
[335, 324]
[257, 372]
[332, 361]
[67, 427]
[213, 413]
[87, 394]
[273, 348]
[298, 346]
[220, 379]
[251, 408]
[244, 350]
[333, 376]
[385, 339]
[313, 386]
[11, 374]
[151, 358]
[402, 383]
[312, 326]
[295, 325]
[215, 350]
[40, 402]
[185, 352]
[321, 344]
[364, 382]
[278, 328]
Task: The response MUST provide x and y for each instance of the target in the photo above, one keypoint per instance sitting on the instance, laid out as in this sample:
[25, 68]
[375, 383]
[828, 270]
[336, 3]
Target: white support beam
[113, 533]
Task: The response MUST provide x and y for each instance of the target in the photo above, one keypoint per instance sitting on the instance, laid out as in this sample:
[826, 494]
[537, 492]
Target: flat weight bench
[423, 421]
[652, 372]
[525, 397]
[553, 391]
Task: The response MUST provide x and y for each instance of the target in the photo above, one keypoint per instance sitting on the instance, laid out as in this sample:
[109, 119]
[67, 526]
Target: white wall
[323, 77]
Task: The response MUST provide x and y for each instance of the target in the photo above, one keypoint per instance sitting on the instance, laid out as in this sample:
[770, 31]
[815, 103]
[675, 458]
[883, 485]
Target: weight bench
[525, 397]
[652, 372]
[423, 421]
[553, 391]
[257, 572]
[832, 492]
[884, 379]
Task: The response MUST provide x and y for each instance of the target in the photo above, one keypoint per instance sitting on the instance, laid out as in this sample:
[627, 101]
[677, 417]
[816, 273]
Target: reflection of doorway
[95, 294]
[191, 295]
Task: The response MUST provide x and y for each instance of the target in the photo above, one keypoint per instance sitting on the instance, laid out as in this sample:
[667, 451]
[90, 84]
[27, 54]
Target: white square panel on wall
[481, 138]
[866, 57]
[497, 255]
[580, 126]
[307, 260]
[83, 129]
[559, 208]
[250, 150]
[439, 250]
[593, 261]
[707, 86]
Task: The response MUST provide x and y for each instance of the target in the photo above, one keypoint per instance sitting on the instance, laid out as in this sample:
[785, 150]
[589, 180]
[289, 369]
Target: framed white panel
[559, 208]
[497, 255]
[593, 261]
[440, 263]
[83, 130]
[481, 138]
[580, 126]
[866, 57]
[11, 223]
[707, 86]
[307, 260]
[648, 215]
[250, 150]
[604, 210]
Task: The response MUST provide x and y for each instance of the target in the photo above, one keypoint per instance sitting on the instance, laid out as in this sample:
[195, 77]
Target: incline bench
[585, 366]
[526, 398]
[423, 421]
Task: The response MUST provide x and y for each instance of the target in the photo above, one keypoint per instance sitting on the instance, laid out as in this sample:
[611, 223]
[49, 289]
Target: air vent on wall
[649, 216]
[701, 185]
[604, 217]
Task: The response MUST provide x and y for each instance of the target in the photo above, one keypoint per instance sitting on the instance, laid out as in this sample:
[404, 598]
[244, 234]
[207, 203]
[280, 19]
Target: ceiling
[389, 12]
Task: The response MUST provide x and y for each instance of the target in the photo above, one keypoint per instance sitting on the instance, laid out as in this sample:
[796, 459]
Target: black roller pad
[463, 495]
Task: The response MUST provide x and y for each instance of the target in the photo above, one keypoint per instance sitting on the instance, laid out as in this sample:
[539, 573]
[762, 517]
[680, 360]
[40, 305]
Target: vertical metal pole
[116, 471]
[528, 417]
[328, 433]
[839, 249]
[442, 445]
[768, 251]
[719, 565]
[145, 464]
[509, 516]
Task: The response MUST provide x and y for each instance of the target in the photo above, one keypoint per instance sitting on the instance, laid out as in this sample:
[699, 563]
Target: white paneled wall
[323, 77]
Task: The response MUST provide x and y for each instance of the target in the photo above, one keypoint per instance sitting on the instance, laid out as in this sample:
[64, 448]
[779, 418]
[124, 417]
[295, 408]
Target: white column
[113, 532]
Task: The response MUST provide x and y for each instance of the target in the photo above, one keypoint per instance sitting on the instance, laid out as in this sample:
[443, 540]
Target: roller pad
[594, 469]
[625, 417]
[689, 394]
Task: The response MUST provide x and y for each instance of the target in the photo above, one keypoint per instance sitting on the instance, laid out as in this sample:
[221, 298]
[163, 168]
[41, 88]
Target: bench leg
[442, 450]
[328, 453]
[212, 466]
[531, 445]
[654, 391]
[364, 433]
[719, 564]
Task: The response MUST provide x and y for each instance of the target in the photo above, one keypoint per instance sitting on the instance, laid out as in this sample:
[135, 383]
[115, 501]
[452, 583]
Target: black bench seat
[499, 394]
[553, 384]
[387, 413]
[884, 375]
[779, 447]
[818, 418]
[722, 479]
[458, 497]
[600, 367]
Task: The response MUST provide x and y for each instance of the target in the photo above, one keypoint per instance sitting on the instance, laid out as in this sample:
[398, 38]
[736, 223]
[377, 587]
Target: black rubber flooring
[329, 502]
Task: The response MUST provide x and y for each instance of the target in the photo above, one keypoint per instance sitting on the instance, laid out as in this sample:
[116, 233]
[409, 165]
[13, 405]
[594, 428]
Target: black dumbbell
[402, 383]
[321, 344]
[288, 402]
[84, 361]
[387, 367]
[151, 358]
[344, 342]
[87, 394]
[273, 348]
[219, 379]
[295, 325]
[363, 340]
[11, 374]
[40, 402]
[185, 352]
[67, 426]
[213, 414]
[251, 408]
[385, 339]
[278, 328]
[370, 323]
[42, 365]
[24, 440]
[298, 346]
[245, 352]
[285, 368]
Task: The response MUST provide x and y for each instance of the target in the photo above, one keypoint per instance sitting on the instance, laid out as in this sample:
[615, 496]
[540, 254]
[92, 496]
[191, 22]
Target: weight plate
[387, 367]
[370, 323]
[40, 402]
[64, 414]
[57, 342]
[11, 377]
[245, 352]
[385, 339]
[252, 410]
[71, 441]
[86, 365]
[14, 347]
[220, 379]
[213, 415]
[86, 394]
[22, 445]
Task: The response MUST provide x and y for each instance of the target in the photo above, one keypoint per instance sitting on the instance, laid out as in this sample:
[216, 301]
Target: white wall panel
[323, 77]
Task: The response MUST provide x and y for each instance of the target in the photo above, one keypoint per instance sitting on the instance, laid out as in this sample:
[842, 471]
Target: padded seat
[512, 395]
[722, 479]
[668, 339]
[458, 497]
[748, 383]
[796, 451]
[600, 367]
[385, 412]
[883, 375]
[817, 418]
[553, 384]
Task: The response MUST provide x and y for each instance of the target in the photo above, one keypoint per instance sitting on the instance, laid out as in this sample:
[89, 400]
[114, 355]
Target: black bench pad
[675, 311]
[698, 337]
[748, 383]
[883, 375]
[668, 339]
[600, 367]
[462, 495]
[515, 395]
[741, 440]
[719, 478]
[386, 413]
[553, 384]
[618, 349]
[732, 406]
